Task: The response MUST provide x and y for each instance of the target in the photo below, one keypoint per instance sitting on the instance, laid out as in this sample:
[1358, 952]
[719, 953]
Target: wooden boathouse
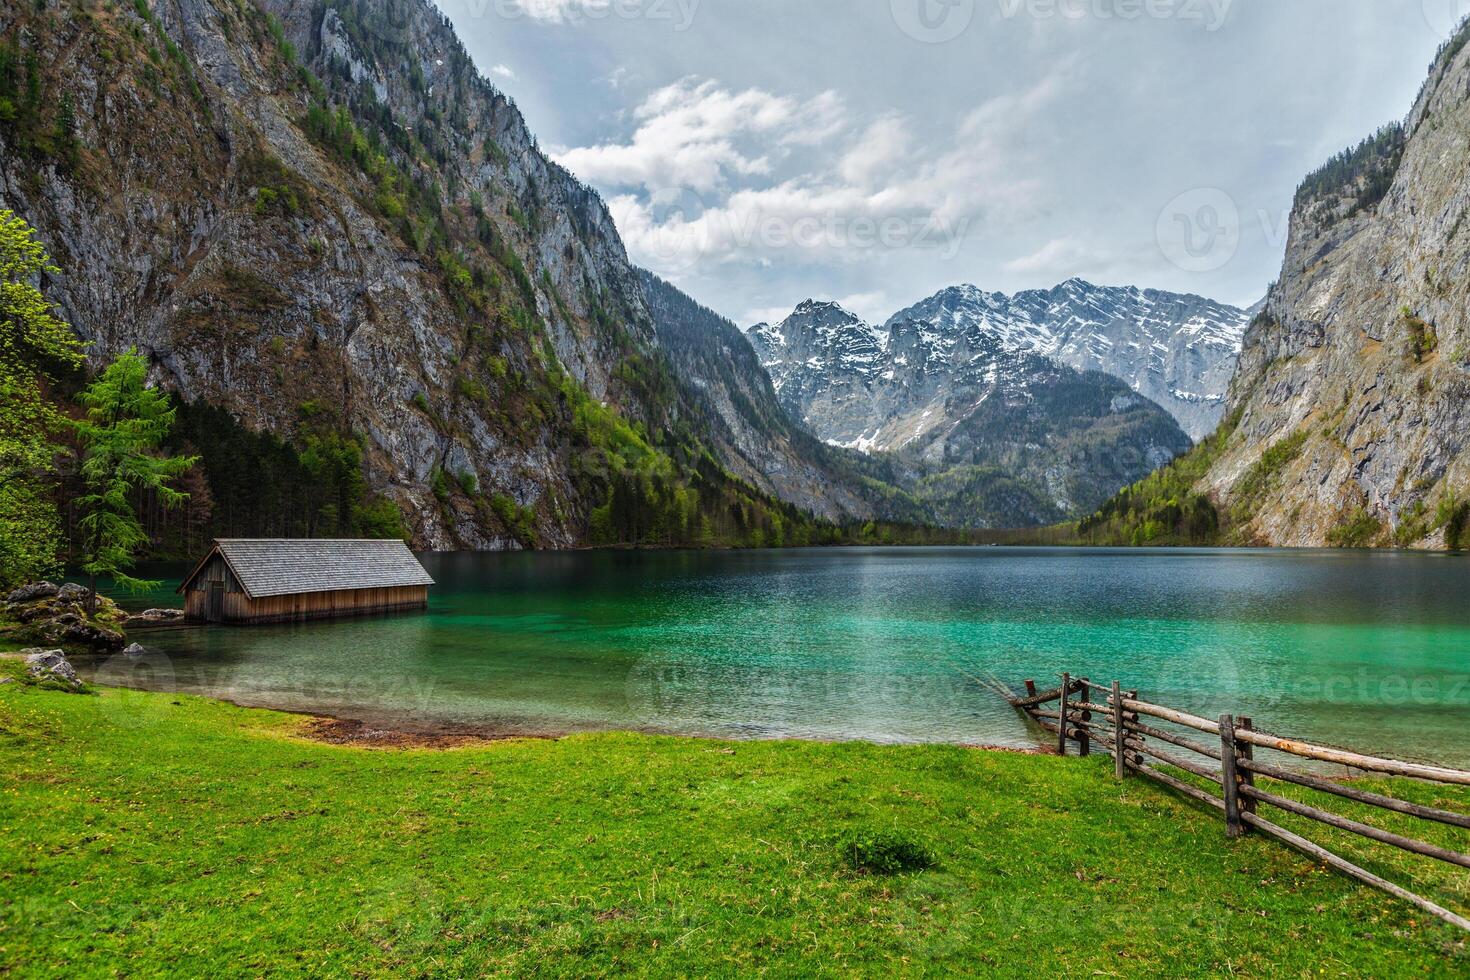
[280, 581]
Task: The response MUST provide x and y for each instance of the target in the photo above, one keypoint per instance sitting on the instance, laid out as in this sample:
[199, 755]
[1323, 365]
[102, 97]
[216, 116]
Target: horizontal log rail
[1357, 795]
[1187, 789]
[1172, 739]
[1193, 768]
[1354, 827]
[1367, 763]
[1115, 723]
[1182, 718]
[1353, 871]
[1031, 700]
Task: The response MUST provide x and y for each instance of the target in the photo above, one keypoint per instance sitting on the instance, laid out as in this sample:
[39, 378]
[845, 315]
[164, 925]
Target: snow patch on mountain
[1178, 350]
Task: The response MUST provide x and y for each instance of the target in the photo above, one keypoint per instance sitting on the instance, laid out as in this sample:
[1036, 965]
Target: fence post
[1230, 778]
[1084, 737]
[1120, 766]
[1031, 689]
[1245, 750]
[1062, 722]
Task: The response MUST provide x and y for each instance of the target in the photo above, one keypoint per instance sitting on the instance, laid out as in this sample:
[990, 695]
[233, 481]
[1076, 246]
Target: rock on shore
[56, 616]
[51, 665]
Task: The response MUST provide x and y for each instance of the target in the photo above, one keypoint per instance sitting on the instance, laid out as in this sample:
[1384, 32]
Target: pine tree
[126, 423]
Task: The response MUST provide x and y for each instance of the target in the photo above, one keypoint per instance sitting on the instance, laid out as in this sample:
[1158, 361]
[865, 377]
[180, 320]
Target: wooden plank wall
[240, 608]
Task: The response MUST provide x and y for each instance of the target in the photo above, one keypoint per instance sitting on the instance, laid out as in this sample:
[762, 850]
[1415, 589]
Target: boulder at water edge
[159, 616]
[45, 614]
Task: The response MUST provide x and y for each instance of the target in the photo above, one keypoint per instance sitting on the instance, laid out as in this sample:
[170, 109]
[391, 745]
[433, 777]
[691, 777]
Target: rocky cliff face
[1005, 435]
[1177, 350]
[753, 435]
[1351, 406]
[320, 217]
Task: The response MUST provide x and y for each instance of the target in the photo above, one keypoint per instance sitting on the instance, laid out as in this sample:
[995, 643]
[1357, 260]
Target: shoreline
[332, 730]
[383, 733]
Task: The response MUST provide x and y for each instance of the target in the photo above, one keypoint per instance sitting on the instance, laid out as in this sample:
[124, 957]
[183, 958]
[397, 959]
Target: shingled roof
[267, 567]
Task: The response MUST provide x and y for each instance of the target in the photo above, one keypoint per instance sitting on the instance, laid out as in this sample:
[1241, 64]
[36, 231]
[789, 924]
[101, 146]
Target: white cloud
[873, 307]
[1056, 255]
[503, 71]
[712, 177]
[877, 152]
[679, 14]
[699, 136]
[1094, 155]
[552, 11]
[765, 314]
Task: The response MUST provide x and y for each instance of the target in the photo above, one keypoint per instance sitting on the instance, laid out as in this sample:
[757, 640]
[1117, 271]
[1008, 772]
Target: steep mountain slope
[1349, 416]
[319, 218]
[752, 433]
[1176, 350]
[1003, 433]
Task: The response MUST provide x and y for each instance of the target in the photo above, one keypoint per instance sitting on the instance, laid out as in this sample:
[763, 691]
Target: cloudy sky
[760, 152]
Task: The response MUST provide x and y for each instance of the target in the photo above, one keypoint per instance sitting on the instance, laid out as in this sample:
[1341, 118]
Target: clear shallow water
[1369, 650]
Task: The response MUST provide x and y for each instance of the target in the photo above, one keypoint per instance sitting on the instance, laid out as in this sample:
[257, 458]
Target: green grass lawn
[154, 834]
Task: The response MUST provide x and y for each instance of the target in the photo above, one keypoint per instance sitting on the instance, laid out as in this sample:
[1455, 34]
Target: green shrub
[519, 521]
[1423, 338]
[473, 390]
[48, 683]
[883, 852]
[1413, 524]
[276, 200]
[439, 481]
[381, 518]
[1359, 530]
[1457, 521]
[1251, 490]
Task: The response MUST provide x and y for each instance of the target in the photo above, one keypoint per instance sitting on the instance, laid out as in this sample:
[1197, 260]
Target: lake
[1370, 650]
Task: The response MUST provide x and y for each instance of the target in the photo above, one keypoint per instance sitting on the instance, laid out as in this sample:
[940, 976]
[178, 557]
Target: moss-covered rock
[53, 617]
[51, 670]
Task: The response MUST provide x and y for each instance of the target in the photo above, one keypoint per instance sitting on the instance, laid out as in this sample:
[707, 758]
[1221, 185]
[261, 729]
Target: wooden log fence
[1109, 717]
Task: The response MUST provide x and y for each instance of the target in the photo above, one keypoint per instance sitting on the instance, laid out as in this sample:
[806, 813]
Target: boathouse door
[216, 602]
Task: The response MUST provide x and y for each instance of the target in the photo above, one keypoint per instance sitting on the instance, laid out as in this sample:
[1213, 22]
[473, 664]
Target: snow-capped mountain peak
[1177, 349]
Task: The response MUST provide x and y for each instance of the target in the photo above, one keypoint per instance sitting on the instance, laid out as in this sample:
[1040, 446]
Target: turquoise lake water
[889, 645]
